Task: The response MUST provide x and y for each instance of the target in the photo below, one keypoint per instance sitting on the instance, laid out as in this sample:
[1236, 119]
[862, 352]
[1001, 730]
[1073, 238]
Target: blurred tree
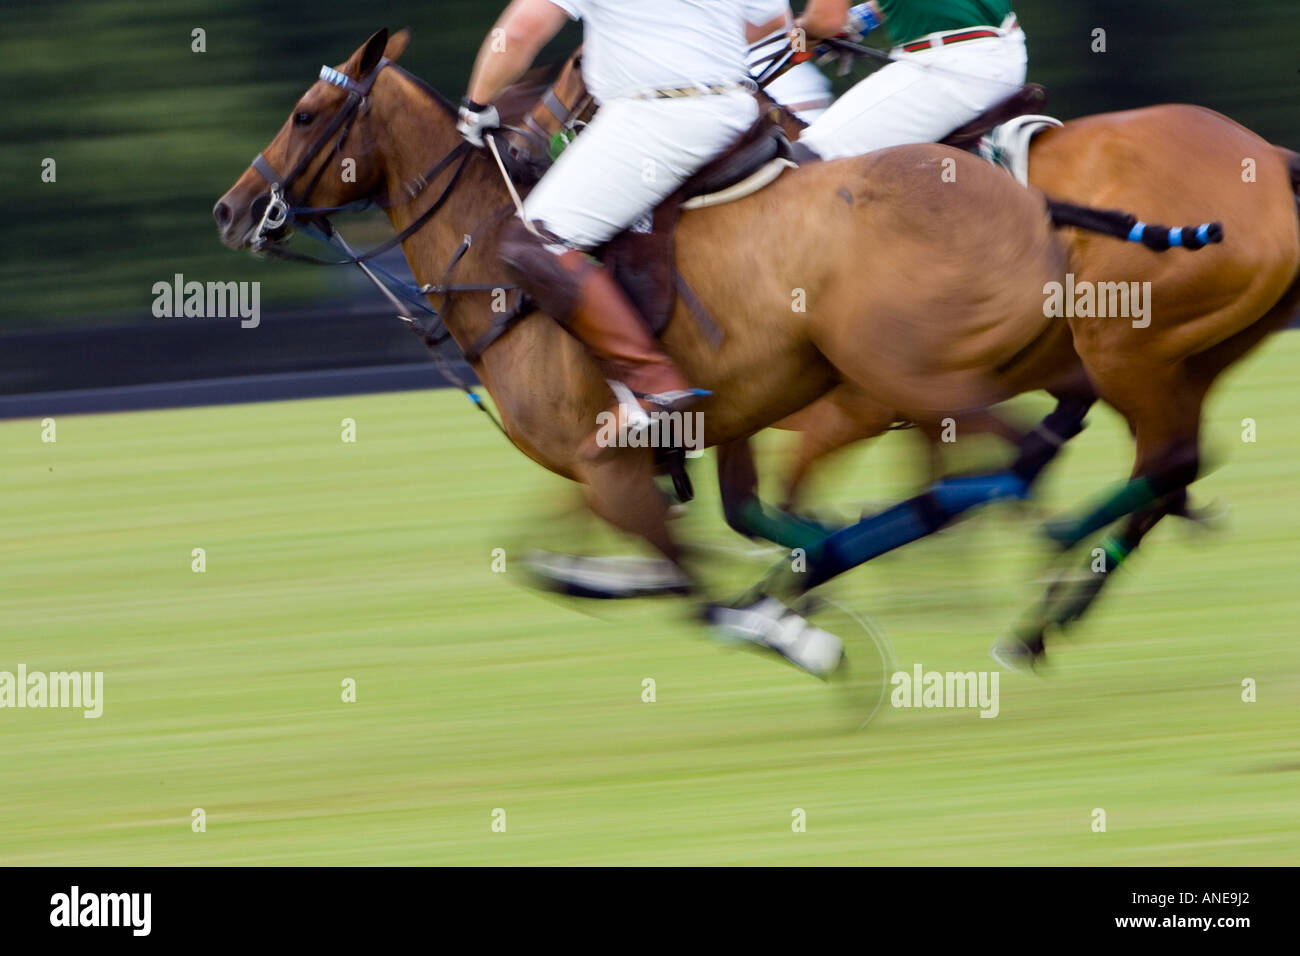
[147, 134]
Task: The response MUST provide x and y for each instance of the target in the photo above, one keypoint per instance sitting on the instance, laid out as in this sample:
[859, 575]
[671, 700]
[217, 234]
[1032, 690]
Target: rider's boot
[644, 380]
[580, 294]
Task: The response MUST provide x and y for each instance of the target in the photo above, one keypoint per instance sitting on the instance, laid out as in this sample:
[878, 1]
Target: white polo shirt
[631, 46]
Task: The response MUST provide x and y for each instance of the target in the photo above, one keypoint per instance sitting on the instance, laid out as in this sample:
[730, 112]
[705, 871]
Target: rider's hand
[476, 121]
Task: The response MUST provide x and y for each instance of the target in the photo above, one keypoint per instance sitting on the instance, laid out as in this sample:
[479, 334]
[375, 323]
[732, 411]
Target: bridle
[282, 211]
[552, 118]
[278, 210]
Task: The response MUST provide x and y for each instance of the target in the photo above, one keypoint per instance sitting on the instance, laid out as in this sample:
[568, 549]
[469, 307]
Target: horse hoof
[769, 624]
[1018, 656]
[605, 578]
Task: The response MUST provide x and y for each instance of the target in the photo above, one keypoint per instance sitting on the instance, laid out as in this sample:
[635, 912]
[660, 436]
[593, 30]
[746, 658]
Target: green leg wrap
[1133, 496]
[1071, 605]
[787, 530]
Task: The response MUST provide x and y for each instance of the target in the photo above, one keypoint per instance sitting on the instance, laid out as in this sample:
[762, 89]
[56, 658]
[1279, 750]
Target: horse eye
[302, 119]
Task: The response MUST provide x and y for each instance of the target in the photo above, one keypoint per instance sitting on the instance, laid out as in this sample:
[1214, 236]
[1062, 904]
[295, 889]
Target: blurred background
[147, 134]
[373, 560]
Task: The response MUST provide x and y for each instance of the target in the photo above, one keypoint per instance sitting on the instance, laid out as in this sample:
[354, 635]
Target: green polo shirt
[908, 19]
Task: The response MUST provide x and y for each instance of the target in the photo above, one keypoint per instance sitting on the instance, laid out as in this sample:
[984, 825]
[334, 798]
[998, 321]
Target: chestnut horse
[880, 270]
[1205, 313]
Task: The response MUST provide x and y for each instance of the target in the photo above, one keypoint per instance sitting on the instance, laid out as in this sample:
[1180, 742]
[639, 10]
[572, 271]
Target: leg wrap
[906, 522]
[1044, 443]
[1136, 495]
[754, 519]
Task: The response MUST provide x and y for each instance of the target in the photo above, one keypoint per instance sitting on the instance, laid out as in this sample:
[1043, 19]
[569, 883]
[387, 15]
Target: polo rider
[671, 82]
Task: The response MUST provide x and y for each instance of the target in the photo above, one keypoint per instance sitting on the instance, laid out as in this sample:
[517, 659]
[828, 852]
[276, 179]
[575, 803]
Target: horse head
[323, 157]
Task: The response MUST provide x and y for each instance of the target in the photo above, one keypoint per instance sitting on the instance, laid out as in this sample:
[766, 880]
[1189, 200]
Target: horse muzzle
[252, 225]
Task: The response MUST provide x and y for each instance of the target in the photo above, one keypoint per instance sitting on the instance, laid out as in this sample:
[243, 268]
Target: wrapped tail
[1123, 225]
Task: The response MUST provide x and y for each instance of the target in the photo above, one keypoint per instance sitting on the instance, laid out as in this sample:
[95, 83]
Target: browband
[343, 81]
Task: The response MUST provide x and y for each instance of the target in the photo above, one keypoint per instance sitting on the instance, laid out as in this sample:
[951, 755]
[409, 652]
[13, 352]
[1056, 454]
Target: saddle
[642, 261]
[1030, 98]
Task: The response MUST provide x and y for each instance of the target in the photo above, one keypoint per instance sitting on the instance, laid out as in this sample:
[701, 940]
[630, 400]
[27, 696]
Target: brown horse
[1204, 314]
[916, 273]
[846, 415]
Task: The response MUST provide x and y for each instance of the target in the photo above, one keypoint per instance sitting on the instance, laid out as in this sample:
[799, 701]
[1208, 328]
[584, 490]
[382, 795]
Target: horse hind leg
[1069, 597]
[1164, 413]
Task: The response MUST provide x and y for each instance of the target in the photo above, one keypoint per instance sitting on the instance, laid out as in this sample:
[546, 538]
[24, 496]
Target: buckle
[274, 217]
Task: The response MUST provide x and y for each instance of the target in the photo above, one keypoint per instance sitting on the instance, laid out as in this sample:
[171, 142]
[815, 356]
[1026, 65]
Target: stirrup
[633, 417]
[674, 401]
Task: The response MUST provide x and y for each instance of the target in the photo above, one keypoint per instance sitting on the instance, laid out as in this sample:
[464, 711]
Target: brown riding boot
[605, 320]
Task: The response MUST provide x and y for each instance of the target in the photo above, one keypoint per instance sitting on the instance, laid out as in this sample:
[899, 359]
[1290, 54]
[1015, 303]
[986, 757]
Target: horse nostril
[221, 213]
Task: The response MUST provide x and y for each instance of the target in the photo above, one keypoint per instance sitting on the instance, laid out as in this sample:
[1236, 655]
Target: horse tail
[1123, 225]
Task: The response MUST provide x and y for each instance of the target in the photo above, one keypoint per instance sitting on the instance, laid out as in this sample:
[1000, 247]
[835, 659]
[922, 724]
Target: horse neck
[415, 130]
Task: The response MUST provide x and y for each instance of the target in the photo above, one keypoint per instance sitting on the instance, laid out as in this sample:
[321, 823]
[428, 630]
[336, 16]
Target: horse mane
[521, 96]
[513, 103]
[447, 106]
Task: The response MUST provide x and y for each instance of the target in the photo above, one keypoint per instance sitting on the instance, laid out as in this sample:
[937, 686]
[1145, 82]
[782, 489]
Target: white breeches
[634, 154]
[921, 98]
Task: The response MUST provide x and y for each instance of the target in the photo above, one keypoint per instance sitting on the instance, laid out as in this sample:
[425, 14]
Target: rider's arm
[510, 48]
[825, 18]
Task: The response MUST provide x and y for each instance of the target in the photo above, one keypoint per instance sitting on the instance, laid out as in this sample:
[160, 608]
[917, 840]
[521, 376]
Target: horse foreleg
[747, 514]
[621, 490]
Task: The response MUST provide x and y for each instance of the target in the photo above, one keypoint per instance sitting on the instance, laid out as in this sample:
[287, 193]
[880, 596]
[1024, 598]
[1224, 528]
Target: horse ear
[397, 44]
[371, 53]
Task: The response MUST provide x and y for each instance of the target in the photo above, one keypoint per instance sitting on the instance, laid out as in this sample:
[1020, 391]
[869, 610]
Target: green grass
[372, 561]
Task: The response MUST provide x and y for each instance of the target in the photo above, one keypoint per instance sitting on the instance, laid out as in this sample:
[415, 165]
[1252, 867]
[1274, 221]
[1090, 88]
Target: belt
[958, 36]
[702, 89]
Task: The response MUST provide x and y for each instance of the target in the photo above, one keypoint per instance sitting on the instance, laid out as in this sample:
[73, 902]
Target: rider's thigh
[899, 104]
[634, 154]
[920, 98]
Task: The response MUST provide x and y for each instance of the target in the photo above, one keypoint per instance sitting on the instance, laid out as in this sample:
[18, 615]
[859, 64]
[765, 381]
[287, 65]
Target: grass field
[372, 561]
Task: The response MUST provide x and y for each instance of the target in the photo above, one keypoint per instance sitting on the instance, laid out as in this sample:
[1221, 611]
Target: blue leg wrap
[907, 521]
